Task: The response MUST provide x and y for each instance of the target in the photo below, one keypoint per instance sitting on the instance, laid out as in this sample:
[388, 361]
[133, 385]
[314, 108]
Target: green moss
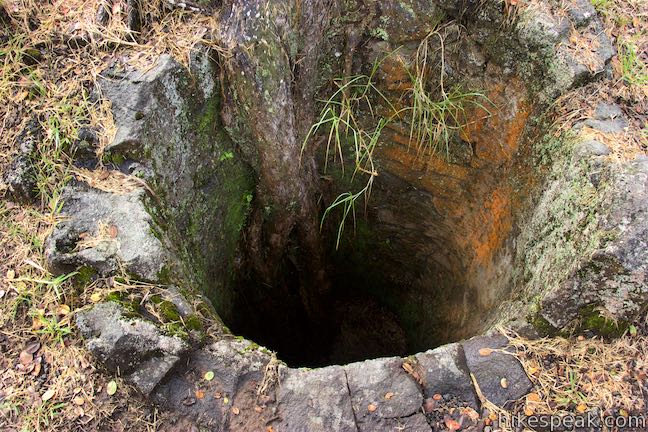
[176, 329]
[168, 311]
[85, 275]
[114, 158]
[129, 304]
[542, 326]
[193, 322]
[591, 319]
[164, 276]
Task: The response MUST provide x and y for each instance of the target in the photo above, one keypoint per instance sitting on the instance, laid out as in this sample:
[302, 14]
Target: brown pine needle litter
[52, 54]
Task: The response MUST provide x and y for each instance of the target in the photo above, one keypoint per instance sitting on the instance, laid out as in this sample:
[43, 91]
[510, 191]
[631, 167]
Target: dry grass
[574, 376]
[51, 55]
[626, 23]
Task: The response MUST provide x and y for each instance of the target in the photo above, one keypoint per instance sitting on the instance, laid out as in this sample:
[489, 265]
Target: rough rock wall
[169, 134]
[447, 222]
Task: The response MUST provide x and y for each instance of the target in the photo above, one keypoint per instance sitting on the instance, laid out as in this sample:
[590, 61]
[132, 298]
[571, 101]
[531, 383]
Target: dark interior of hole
[395, 289]
[357, 325]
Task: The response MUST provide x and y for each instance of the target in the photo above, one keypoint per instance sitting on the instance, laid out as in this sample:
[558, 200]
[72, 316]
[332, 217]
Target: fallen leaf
[581, 408]
[485, 352]
[33, 347]
[63, 309]
[200, 394]
[492, 416]
[236, 411]
[429, 405]
[37, 369]
[528, 412]
[389, 395]
[49, 394]
[78, 411]
[113, 231]
[111, 388]
[437, 397]
[79, 400]
[533, 397]
[26, 358]
[532, 370]
[371, 407]
[452, 424]
[209, 375]
[471, 413]
[504, 383]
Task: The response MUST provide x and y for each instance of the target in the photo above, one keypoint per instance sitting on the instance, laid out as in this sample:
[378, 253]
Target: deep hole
[396, 289]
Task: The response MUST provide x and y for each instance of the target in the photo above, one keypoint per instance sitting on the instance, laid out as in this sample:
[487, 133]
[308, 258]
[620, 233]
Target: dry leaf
[429, 405]
[49, 394]
[26, 358]
[581, 408]
[471, 413]
[371, 407]
[485, 352]
[113, 231]
[452, 424]
[111, 388]
[63, 309]
[33, 347]
[37, 369]
[528, 412]
[533, 397]
[200, 394]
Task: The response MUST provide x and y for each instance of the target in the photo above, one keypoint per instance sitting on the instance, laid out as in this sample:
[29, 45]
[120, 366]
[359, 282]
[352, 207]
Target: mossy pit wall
[436, 257]
[438, 244]
[202, 189]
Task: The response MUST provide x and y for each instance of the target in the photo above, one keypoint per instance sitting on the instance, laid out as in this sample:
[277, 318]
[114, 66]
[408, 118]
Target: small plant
[633, 69]
[55, 283]
[52, 328]
[435, 120]
[340, 118]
